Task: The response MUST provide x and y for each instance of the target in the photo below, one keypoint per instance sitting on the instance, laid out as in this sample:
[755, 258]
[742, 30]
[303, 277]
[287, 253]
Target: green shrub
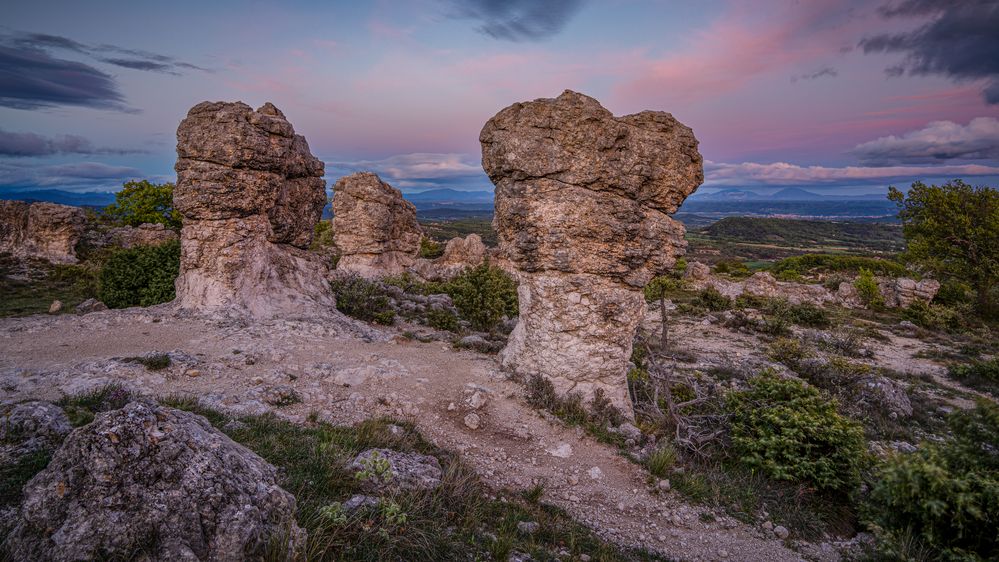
[982, 375]
[734, 268]
[665, 286]
[788, 351]
[791, 275]
[802, 314]
[790, 431]
[322, 236]
[661, 461]
[946, 495]
[867, 289]
[430, 248]
[713, 300]
[483, 295]
[141, 276]
[362, 299]
[815, 263]
[440, 319]
[953, 292]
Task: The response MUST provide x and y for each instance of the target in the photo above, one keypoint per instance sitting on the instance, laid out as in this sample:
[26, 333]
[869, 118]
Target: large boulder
[250, 194]
[583, 200]
[902, 292]
[41, 230]
[30, 427]
[374, 228]
[459, 254]
[157, 482]
[146, 234]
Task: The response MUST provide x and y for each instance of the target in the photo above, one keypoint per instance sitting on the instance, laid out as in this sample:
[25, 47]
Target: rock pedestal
[41, 230]
[582, 211]
[374, 227]
[250, 193]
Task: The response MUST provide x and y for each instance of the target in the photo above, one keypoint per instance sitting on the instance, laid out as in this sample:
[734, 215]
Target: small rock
[386, 469]
[562, 451]
[451, 407]
[395, 429]
[360, 501]
[595, 473]
[476, 400]
[234, 425]
[629, 431]
[768, 526]
[472, 421]
[573, 480]
[55, 307]
[664, 485]
[781, 532]
[281, 395]
[584, 558]
[528, 527]
[90, 305]
[192, 373]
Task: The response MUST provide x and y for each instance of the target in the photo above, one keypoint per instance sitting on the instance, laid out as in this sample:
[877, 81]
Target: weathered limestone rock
[151, 477]
[697, 271]
[147, 234]
[251, 194]
[903, 292]
[761, 284]
[582, 210]
[459, 255]
[30, 427]
[374, 227]
[41, 230]
[384, 470]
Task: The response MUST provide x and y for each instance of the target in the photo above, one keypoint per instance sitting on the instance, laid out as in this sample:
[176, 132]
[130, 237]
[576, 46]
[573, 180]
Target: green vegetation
[540, 393]
[362, 299]
[789, 431]
[141, 276]
[867, 289]
[444, 230]
[430, 248]
[880, 237]
[981, 375]
[141, 201]
[713, 300]
[944, 498]
[483, 295]
[153, 361]
[733, 268]
[460, 519]
[952, 230]
[661, 461]
[936, 317]
[30, 287]
[829, 263]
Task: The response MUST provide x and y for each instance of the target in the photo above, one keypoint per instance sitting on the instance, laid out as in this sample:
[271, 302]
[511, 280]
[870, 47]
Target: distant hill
[885, 237]
[795, 194]
[826, 208]
[77, 199]
[451, 199]
[728, 195]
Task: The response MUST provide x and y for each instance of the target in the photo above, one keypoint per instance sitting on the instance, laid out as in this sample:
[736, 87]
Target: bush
[430, 248]
[140, 202]
[788, 351]
[713, 300]
[946, 495]
[141, 276]
[483, 295]
[440, 319]
[362, 299]
[982, 375]
[814, 263]
[664, 286]
[802, 314]
[734, 268]
[953, 292]
[790, 431]
[867, 289]
[933, 316]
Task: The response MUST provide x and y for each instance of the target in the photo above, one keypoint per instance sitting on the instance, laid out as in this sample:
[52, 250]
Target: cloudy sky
[845, 96]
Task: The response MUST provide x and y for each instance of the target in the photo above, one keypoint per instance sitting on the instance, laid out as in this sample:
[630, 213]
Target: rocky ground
[343, 372]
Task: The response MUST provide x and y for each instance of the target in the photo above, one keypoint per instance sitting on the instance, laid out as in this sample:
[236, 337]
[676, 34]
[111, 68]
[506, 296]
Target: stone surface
[90, 305]
[151, 477]
[30, 427]
[41, 230]
[250, 193]
[459, 255]
[374, 228]
[582, 211]
[55, 307]
[903, 292]
[387, 470]
[147, 234]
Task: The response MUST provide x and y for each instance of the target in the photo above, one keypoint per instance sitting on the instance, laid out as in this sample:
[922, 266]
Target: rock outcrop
[41, 230]
[157, 481]
[459, 255]
[30, 427]
[147, 234]
[374, 228]
[902, 292]
[582, 211]
[250, 193]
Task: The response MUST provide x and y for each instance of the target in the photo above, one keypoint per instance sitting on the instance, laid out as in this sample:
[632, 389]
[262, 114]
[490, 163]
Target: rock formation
[146, 234]
[155, 480]
[250, 193]
[41, 230]
[902, 292]
[582, 210]
[459, 255]
[30, 427]
[374, 228]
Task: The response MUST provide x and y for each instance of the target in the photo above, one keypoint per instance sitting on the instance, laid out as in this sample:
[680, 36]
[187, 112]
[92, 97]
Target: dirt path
[345, 372]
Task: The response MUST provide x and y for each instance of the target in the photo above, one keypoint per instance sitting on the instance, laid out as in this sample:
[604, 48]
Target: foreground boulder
[41, 230]
[155, 481]
[30, 427]
[459, 254]
[250, 193]
[582, 211]
[375, 229]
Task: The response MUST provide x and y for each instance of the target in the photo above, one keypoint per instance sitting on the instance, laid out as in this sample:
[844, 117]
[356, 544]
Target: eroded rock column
[46, 231]
[582, 211]
[375, 229]
[250, 193]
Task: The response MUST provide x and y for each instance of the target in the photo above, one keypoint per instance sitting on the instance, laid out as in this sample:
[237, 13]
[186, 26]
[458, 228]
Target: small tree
[141, 201]
[953, 231]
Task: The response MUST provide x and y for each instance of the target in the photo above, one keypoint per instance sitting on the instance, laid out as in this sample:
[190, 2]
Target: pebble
[781, 532]
[664, 485]
[528, 527]
[595, 473]
[472, 421]
[193, 373]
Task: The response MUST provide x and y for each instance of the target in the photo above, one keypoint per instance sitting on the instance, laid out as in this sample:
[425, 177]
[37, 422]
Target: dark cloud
[140, 64]
[33, 144]
[960, 40]
[79, 175]
[824, 71]
[519, 20]
[938, 142]
[33, 79]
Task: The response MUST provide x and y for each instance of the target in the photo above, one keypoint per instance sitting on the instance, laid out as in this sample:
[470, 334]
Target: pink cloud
[783, 173]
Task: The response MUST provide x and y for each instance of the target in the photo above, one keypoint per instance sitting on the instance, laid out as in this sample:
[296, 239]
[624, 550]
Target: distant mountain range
[83, 199]
[786, 194]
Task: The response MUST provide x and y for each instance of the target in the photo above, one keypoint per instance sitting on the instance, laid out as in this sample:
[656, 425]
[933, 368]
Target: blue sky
[831, 96]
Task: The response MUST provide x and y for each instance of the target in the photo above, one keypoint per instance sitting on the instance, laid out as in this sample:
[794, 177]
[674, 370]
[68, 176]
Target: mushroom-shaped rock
[373, 226]
[155, 480]
[250, 194]
[41, 230]
[582, 211]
